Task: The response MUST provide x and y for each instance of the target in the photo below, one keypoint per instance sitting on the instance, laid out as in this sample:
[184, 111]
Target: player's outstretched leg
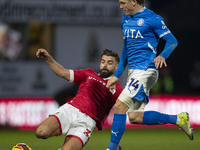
[181, 120]
[184, 124]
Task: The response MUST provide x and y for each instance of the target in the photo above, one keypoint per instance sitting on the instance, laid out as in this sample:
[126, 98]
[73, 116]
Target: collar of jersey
[143, 9]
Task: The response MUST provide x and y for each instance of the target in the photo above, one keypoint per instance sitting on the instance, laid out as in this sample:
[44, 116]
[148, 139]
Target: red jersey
[93, 98]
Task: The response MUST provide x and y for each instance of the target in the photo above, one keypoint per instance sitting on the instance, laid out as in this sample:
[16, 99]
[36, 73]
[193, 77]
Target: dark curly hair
[108, 52]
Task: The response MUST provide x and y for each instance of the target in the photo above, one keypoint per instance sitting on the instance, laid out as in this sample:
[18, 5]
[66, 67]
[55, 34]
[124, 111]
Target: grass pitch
[133, 139]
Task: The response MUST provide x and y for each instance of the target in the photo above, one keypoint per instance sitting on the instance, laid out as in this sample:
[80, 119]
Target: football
[21, 146]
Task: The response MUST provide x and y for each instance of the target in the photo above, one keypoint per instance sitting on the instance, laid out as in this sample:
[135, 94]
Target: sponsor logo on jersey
[104, 84]
[132, 33]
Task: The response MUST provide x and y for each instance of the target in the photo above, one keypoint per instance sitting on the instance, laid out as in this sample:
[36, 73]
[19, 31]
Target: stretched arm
[58, 69]
[170, 45]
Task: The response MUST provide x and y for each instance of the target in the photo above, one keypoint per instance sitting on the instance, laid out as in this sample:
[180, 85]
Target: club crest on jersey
[140, 22]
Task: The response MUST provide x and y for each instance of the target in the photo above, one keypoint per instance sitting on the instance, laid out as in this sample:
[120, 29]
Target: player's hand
[111, 82]
[159, 62]
[42, 53]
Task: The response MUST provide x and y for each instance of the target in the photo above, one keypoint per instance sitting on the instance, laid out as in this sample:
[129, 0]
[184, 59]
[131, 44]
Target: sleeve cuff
[71, 75]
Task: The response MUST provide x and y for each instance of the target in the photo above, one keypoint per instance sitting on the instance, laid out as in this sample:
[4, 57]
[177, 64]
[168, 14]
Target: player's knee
[135, 117]
[116, 107]
[41, 132]
[134, 120]
[120, 108]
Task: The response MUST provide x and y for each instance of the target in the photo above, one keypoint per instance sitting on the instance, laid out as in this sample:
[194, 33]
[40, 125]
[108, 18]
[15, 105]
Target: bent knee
[135, 117]
[134, 120]
[120, 107]
[41, 132]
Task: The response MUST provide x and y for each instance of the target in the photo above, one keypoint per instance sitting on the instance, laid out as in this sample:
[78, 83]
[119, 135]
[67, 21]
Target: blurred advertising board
[61, 12]
[170, 104]
[27, 113]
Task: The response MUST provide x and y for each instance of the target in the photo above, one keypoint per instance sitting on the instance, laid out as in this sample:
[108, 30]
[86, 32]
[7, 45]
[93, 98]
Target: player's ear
[134, 2]
[116, 66]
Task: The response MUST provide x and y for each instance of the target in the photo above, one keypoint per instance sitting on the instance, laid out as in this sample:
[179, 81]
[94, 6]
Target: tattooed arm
[57, 68]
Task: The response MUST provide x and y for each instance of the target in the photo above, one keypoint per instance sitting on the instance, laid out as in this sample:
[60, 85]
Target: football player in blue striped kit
[142, 29]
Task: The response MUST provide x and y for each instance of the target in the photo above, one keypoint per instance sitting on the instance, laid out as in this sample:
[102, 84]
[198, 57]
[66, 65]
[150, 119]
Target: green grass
[135, 139]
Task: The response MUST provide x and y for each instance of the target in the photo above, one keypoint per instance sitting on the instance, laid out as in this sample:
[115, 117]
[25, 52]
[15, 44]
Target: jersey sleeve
[163, 32]
[159, 27]
[71, 75]
[78, 76]
[170, 45]
[123, 62]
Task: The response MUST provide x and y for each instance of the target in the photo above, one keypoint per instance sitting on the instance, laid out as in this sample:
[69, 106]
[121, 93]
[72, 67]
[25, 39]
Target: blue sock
[118, 128]
[155, 118]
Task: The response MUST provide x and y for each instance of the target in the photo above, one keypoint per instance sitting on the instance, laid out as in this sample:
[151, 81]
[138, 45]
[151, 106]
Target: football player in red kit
[88, 109]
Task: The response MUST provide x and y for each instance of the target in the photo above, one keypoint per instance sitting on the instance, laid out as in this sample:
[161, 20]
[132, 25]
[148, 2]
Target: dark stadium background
[182, 20]
[181, 16]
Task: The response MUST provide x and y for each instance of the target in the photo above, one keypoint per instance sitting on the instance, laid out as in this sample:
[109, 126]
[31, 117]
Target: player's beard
[105, 73]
